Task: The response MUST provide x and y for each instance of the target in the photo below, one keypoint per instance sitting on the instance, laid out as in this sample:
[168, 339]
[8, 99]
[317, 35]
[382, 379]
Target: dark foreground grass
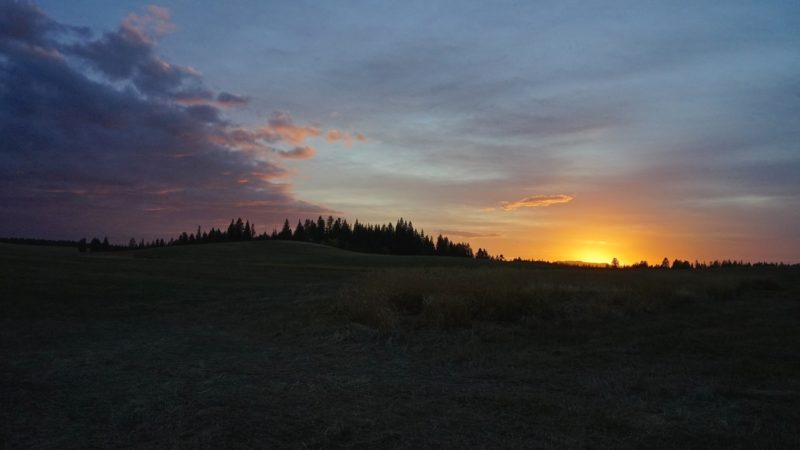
[256, 345]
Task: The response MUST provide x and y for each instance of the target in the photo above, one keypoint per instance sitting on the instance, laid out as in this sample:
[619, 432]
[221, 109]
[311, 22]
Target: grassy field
[280, 344]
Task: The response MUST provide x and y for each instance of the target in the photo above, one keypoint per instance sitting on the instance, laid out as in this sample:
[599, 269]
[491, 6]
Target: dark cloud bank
[98, 134]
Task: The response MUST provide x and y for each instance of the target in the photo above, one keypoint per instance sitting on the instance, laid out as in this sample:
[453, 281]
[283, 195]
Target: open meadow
[292, 345]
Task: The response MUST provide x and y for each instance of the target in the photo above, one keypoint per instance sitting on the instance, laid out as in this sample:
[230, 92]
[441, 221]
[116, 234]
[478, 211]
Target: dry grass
[455, 298]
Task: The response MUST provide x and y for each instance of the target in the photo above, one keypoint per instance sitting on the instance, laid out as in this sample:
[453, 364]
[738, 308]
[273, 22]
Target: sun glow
[591, 255]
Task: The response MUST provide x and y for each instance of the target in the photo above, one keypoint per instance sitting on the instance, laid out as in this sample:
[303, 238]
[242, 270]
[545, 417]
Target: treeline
[400, 238]
[677, 264]
[46, 242]
[96, 245]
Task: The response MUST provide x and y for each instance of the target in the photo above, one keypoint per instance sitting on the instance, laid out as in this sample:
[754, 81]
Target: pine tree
[300, 233]
[286, 231]
[247, 233]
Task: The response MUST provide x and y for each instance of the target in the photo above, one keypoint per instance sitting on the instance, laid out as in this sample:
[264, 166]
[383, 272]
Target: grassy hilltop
[285, 344]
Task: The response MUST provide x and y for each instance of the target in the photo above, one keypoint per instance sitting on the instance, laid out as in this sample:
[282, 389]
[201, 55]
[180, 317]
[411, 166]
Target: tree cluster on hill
[400, 238]
[395, 239]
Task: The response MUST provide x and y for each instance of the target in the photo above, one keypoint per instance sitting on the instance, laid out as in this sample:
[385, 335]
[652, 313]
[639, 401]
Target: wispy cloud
[467, 234]
[203, 97]
[536, 201]
[279, 133]
[298, 152]
[281, 127]
[346, 138]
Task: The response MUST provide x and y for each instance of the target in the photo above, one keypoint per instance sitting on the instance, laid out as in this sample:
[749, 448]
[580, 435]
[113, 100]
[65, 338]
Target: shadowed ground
[246, 345]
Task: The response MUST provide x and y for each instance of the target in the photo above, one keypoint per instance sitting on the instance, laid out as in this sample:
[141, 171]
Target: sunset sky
[548, 130]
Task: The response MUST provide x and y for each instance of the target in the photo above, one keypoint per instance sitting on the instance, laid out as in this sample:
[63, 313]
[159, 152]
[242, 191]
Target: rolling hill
[251, 345]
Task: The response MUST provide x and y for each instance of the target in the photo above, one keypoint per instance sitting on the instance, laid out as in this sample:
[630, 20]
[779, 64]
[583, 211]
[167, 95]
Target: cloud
[280, 130]
[297, 153]
[82, 154]
[346, 138]
[129, 55]
[205, 97]
[147, 27]
[281, 127]
[536, 201]
[228, 100]
[467, 234]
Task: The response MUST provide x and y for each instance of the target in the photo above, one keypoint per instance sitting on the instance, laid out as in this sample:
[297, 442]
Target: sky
[547, 130]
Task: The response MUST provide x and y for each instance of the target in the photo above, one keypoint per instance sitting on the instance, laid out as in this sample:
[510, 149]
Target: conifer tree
[300, 233]
[286, 231]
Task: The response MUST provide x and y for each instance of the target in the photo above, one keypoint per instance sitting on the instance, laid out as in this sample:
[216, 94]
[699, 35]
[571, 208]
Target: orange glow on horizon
[593, 256]
[575, 245]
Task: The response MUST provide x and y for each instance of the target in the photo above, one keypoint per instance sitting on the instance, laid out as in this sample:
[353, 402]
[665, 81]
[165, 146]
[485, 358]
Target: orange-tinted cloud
[280, 131]
[280, 127]
[346, 138]
[536, 201]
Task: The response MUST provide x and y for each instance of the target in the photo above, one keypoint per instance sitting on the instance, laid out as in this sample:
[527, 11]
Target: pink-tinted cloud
[346, 138]
[279, 132]
[281, 127]
[536, 201]
[149, 26]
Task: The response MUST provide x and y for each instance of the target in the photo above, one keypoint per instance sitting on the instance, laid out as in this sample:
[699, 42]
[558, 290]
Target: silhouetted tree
[286, 231]
[300, 233]
[247, 232]
[678, 264]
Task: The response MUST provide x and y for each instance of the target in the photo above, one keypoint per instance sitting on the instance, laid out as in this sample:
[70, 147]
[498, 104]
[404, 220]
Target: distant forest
[400, 238]
[392, 239]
